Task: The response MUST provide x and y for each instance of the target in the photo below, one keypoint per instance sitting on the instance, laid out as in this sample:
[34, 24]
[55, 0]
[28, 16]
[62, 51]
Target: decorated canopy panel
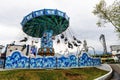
[35, 23]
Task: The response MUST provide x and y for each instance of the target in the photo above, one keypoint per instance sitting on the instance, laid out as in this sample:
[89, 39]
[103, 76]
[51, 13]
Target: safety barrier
[16, 60]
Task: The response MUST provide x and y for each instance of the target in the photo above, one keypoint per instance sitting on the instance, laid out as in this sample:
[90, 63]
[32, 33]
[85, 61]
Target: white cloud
[8, 33]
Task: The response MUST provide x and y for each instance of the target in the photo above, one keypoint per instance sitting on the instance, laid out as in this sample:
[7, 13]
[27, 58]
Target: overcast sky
[82, 20]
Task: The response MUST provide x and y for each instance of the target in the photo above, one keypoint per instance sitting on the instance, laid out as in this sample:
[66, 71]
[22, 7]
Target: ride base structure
[46, 44]
[45, 24]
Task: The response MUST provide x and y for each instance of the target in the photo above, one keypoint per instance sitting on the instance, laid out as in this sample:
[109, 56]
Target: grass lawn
[57, 74]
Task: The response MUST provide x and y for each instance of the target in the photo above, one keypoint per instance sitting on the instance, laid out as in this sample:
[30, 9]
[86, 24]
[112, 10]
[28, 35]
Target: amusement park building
[115, 49]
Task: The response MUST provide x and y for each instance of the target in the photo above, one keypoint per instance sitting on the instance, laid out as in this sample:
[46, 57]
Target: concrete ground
[116, 71]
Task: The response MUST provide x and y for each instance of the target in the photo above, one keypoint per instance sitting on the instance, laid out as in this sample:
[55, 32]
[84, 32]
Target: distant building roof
[1, 46]
[115, 48]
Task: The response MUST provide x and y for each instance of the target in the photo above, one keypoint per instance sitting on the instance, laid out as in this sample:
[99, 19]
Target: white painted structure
[115, 49]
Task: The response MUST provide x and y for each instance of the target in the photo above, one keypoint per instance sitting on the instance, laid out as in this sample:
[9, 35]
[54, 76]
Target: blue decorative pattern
[85, 60]
[18, 61]
[43, 62]
[70, 61]
[1, 63]
[46, 40]
[44, 12]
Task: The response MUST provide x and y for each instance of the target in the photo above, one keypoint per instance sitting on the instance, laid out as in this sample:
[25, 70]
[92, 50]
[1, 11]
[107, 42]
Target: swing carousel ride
[46, 24]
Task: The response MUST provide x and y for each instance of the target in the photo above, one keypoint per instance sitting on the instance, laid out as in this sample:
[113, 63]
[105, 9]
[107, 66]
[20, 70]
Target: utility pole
[103, 42]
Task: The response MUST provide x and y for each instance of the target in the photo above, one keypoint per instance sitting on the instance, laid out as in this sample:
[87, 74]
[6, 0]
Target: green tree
[108, 14]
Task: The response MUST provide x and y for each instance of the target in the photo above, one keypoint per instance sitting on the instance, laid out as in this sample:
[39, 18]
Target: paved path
[116, 71]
